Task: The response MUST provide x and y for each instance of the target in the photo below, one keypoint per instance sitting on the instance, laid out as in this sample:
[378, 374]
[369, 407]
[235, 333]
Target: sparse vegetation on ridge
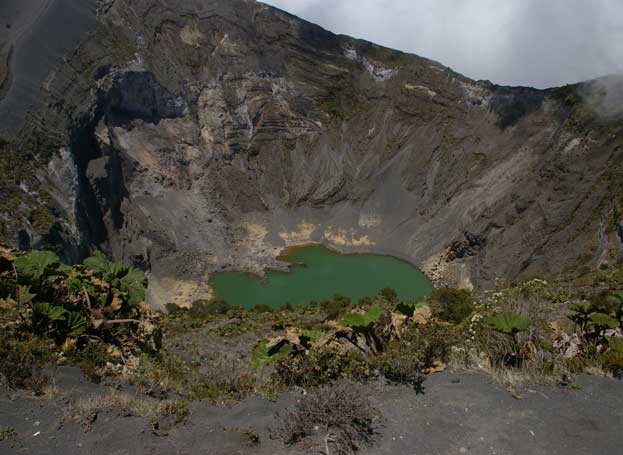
[162, 414]
[530, 332]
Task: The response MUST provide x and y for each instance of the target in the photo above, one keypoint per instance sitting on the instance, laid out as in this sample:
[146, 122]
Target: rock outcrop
[205, 135]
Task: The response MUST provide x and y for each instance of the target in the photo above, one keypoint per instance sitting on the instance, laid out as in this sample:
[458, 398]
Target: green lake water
[324, 274]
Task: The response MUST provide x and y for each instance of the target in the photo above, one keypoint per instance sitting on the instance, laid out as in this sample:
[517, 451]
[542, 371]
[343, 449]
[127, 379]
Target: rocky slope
[189, 136]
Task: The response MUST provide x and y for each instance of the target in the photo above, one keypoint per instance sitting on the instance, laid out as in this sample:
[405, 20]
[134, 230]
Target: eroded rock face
[207, 135]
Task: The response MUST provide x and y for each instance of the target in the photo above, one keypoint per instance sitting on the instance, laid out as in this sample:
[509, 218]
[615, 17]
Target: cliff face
[189, 136]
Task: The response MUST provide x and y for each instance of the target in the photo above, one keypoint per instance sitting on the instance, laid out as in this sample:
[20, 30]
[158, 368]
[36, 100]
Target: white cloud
[515, 42]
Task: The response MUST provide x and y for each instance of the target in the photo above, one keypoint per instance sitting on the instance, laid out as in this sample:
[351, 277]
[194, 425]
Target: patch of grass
[22, 360]
[161, 375]
[201, 312]
[162, 414]
[221, 378]
[7, 433]
[91, 359]
[337, 418]
[228, 380]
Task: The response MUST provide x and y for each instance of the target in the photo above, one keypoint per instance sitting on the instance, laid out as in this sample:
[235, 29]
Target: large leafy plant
[129, 280]
[597, 317]
[510, 323]
[263, 355]
[56, 321]
[40, 265]
[49, 298]
[363, 325]
[267, 351]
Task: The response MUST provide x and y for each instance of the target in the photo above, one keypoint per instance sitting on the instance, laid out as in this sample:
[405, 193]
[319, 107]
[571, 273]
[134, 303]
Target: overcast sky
[540, 43]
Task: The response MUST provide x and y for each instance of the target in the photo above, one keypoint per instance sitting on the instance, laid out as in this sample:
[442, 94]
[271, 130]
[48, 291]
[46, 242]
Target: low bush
[336, 418]
[419, 350]
[322, 366]
[389, 295]
[452, 305]
[219, 378]
[161, 374]
[334, 308]
[613, 358]
[22, 360]
[401, 367]
[228, 379]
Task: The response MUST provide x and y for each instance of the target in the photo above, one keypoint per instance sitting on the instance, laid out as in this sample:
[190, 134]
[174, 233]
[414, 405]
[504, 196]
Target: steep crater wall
[206, 136]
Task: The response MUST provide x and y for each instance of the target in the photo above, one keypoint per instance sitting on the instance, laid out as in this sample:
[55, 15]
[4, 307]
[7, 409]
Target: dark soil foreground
[458, 413]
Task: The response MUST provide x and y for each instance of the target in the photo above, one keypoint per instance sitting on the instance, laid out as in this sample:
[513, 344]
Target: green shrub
[22, 360]
[38, 266]
[389, 294]
[336, 307]
[7, 433]
[402, 361]
[322, 366]
[452, 305]
[613, 358]
[57, 322]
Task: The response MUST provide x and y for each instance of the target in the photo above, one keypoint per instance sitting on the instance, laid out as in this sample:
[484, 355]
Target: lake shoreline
[356, 277]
